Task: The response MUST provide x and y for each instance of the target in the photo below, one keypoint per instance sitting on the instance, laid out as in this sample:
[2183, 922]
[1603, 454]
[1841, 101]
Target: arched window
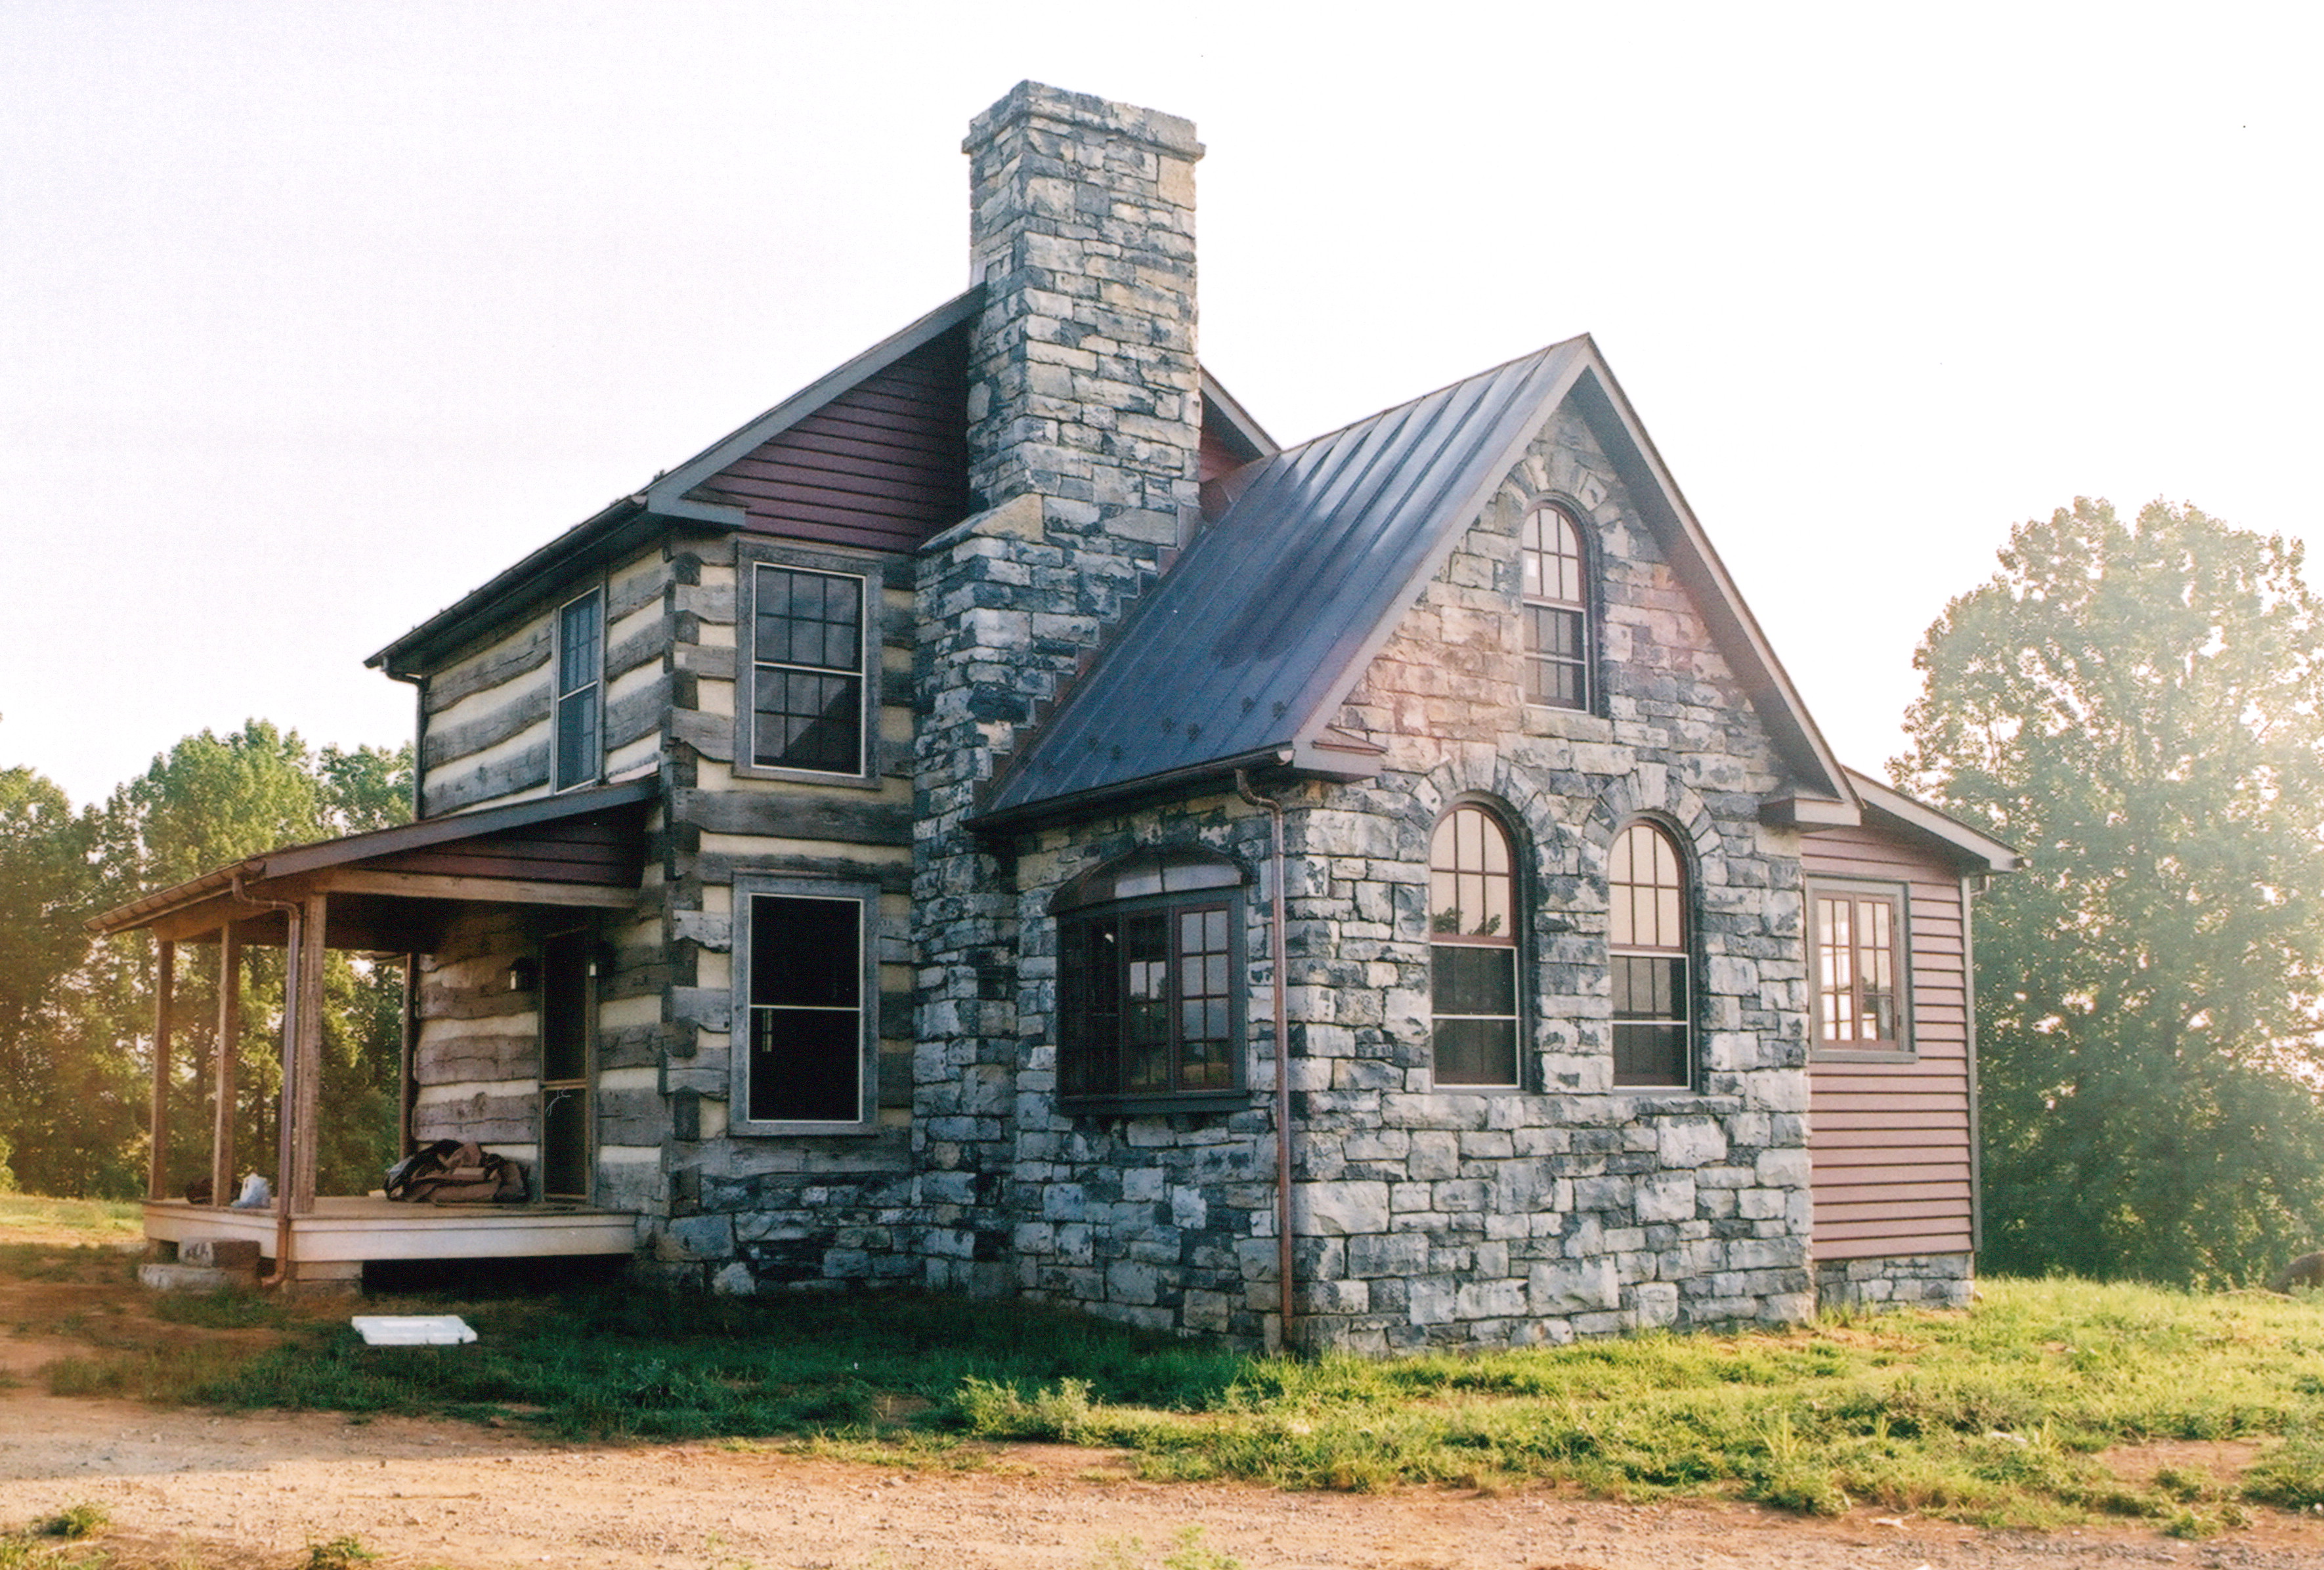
[1647, 944]
[1149, 980]
[1473, 949]
[1556, 609]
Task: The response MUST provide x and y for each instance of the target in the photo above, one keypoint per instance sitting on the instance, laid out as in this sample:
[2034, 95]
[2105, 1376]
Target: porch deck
[340, 1234]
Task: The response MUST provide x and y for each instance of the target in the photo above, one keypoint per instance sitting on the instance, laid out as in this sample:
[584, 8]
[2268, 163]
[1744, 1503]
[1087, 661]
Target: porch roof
[392, 889]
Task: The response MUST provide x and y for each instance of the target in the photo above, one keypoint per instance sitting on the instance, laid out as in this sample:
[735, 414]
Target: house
[982, 823]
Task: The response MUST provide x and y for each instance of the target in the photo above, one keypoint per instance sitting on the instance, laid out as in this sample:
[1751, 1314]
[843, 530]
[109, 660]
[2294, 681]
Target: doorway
[567, 1018]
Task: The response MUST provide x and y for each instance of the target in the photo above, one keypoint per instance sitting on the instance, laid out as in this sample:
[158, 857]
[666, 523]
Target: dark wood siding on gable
[1890, 1141]
[883, 465]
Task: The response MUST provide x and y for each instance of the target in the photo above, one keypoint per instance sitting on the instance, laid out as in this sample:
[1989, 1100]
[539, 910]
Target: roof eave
[1034, 814]
[1981, 852]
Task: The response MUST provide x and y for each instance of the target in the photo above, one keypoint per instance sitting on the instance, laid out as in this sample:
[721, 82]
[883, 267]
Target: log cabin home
[999, 823]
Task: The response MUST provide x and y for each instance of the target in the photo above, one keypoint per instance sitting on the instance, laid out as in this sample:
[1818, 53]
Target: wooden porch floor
[347, 1232]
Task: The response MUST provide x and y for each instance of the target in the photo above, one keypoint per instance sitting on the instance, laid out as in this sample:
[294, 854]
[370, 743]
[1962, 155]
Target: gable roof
[1243, 653]
[1894, 810]
[896, 510]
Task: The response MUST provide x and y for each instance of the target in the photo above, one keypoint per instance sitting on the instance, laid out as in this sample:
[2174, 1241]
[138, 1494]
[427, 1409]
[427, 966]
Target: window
[1149, 981]
[1858, 933]
[1556, 610]
[805, 1029]
[1472, 958]
[1647, 944]
[580, 637]
[806, 710]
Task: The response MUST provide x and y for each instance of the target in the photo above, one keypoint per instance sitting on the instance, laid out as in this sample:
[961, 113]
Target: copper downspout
[294, 914]
[1283, 1251]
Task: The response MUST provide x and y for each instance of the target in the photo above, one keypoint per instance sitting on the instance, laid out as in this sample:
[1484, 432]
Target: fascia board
[1990, 854]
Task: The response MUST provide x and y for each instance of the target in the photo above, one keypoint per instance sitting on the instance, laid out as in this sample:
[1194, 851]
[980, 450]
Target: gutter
[1029, 814]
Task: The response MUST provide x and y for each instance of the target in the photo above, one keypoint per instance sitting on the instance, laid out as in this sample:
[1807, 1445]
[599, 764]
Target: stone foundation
[1923, 1281]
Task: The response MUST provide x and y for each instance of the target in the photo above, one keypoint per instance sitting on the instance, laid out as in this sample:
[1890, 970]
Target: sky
[313, 316]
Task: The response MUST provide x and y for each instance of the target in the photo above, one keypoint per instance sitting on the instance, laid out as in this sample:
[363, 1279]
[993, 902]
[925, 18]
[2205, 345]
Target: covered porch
[392, 893]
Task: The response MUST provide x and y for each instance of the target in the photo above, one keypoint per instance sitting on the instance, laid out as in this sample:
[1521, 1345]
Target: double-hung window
[1556, 590]
[809, 672]
[580, 656]
[805, 1020]
[1858, 930]
[1646, 933]
[1150, 983]
[1472, 957]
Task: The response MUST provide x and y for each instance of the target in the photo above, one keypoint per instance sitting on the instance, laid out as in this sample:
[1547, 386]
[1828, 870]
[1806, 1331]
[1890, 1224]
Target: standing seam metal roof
[1249, 643]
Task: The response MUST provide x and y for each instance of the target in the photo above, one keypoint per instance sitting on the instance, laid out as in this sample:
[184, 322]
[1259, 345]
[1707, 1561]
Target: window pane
[576, 737]
[805, 1065]
[806, 953]
[1473, 979]
[577, 641]
[1476, 1052]
[1649, 1054]
[807, 721]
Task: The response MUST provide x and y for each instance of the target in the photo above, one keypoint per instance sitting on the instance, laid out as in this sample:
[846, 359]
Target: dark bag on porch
[450, 1172]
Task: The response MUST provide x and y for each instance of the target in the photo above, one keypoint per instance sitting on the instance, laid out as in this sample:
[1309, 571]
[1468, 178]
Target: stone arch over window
[1649, 944]
[1555, 580]
[1151, 981]
[1473, 906]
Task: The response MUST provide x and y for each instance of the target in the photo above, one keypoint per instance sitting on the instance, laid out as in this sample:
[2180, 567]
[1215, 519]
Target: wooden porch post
[157, 1158]
[229, 1039]
[309, 1082]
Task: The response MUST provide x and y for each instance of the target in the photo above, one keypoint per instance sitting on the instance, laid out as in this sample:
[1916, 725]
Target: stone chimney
[1083, 387]
[1084, 411]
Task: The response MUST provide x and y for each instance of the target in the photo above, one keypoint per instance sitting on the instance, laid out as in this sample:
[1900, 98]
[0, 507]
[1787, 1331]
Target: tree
[75, 1112]
[2140, 709]
[44, 883]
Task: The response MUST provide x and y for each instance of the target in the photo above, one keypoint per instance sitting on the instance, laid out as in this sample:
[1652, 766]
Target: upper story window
[1858, 930]
[1647, 952]
[580, 654]
[809, 669]
[1150, 991]
[1556, 609]
[1472, 950]
[806, 1006]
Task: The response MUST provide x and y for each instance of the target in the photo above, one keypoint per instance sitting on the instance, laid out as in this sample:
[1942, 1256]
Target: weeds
[342, 1553]
[85, 1519]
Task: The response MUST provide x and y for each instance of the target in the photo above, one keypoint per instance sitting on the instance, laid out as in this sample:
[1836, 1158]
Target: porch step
[164, 1276]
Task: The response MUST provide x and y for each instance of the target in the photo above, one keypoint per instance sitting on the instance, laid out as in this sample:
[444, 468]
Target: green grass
[99, 1221]
[1996, 1415]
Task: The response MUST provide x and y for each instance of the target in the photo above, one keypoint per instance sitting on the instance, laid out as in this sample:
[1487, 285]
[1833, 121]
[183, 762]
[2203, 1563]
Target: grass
[98, 1221]
[1997, 1415]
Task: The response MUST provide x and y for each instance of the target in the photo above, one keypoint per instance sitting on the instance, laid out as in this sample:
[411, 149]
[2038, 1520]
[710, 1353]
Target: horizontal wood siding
[1890, 1141]
[882, 466]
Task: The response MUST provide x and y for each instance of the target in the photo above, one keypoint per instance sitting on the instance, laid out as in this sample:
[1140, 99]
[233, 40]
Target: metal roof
[1242, 653]
[1243, 650]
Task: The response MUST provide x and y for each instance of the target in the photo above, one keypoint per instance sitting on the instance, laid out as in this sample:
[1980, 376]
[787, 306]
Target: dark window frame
[749, 890]
[1634, 963]
[1447, 948]
[1094, 1065]
[1898, 897]
[750, 555]
[1539, 606]
[581, 702]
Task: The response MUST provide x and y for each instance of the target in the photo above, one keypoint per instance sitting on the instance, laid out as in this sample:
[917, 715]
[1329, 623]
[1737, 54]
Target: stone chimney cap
[1030, 100]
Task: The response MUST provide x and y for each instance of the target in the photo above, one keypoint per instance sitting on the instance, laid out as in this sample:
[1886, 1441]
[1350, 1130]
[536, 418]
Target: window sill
[1862, 1055]
[846, 781]
[1571, 724]
[1155, 1105]
[801, 1130]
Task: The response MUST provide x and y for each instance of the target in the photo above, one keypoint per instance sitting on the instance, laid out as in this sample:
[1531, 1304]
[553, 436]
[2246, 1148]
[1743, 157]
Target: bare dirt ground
[189, 1488]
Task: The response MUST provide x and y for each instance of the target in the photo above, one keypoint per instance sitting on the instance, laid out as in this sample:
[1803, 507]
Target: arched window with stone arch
[1472, 923]
[1649, 924]
[1555, 570]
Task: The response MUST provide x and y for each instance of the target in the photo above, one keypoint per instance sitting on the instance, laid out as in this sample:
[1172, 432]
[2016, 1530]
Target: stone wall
[1928, 1281]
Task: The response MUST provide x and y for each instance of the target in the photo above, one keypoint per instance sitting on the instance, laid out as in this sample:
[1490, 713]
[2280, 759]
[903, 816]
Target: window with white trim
[1858, 959]
[1646, 939]
[1557, 591]
[1472, 957]
[580, 658]
[806, 1021]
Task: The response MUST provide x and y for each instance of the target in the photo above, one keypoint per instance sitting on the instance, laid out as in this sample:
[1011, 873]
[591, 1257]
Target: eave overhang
[1888, 807]
[249, 892]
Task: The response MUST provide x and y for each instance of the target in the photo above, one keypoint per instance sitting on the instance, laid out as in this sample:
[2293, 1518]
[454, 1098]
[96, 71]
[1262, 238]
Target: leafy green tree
[45, 881]
[78, 1126]
[2140, 708]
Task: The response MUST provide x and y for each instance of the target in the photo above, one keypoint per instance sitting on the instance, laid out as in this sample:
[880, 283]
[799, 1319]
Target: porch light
[523, 975]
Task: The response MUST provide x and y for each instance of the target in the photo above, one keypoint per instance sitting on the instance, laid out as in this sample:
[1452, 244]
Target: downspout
[418, 738]
[1283, 1250]
[1971, 886]
[294, 914]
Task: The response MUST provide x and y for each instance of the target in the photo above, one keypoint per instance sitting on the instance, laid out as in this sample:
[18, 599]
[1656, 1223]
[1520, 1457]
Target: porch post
[309, 1081]
[286, 1134]
[157, 1156]
[222, 1072]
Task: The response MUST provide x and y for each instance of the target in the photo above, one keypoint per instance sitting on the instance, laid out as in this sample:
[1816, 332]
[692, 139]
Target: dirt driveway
[191, 1488]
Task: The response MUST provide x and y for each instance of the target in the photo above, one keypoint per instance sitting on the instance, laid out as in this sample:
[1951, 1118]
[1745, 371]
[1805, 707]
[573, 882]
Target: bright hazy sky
[313, 316]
